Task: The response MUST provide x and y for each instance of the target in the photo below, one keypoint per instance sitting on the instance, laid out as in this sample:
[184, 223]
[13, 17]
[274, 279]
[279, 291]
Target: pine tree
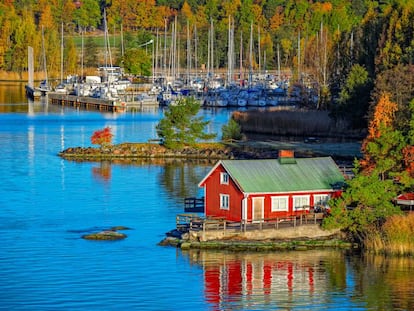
[181, 127]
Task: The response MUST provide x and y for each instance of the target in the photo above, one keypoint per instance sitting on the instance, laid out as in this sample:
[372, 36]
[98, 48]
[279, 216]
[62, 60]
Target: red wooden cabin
[256, 190]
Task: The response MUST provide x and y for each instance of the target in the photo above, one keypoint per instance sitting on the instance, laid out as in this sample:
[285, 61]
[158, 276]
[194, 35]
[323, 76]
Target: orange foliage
[408, 156]
[186, 10]
[323, 8]
[383, 114]
[326, 7]
[276, 21]
[102, 137]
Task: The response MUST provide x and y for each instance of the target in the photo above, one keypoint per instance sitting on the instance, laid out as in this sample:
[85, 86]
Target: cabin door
[258, 208]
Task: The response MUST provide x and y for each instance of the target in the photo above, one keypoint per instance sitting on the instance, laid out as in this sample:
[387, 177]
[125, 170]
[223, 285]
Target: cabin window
[224, 178]
[279, 204]
[321, 200]
[224, 201]
[301, 202]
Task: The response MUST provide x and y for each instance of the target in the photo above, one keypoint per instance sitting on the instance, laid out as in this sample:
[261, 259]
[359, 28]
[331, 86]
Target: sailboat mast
[251, 55]
[165, 48]
[122, 41]
[61, 55]
[82, 53]
[188, 52]
[278, 62]
[44, 55]
[157, 42]
[258, 49]
[212, 48]
[299, 58]
[230, 55]
[208, 53]
[195, 50]
[241, 57]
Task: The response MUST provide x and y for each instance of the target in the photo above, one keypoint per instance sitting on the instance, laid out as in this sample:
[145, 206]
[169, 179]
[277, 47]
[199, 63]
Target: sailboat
[61, 87]
[44, 85]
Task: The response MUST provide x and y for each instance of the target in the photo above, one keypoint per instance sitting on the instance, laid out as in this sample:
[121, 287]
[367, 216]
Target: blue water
[47, 204]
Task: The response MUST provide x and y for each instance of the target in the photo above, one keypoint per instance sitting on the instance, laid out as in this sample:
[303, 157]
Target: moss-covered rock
[107, 235]
[260, 246]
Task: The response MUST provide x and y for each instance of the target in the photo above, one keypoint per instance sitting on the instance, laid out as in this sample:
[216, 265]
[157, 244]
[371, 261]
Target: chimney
[287, 157]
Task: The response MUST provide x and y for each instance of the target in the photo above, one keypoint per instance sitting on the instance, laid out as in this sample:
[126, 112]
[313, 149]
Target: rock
[107, 235]
[185, 245]
[119, 228]
[170, 241]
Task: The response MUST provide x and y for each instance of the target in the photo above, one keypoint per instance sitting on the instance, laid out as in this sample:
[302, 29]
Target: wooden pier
[87, 103]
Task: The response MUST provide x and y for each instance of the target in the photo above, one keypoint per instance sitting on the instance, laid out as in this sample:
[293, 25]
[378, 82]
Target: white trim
[224, 200]
[291, 192]
[224, 178]
[321, 196]
[286, 209]
[244, 208]
[306, 196]
[209, 173]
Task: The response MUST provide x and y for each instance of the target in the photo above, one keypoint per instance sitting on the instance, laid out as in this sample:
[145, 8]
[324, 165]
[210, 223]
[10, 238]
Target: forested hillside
[350, 51]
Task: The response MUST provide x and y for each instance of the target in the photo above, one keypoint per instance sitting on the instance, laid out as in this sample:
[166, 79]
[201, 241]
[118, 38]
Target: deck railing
[194, 205]
[193, 222]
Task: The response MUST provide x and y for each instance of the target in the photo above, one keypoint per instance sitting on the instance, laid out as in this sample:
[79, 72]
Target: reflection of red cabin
[259, 280]
[254, 190]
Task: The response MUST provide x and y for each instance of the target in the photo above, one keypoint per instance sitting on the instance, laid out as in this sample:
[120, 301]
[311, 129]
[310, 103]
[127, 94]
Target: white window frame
[319, 197]
[224, 201]
[276, 204]
[298, 207]
[224, 178]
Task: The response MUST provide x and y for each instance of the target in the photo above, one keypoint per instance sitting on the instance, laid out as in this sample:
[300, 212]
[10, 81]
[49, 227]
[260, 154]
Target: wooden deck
[85, 102]
[193, 222]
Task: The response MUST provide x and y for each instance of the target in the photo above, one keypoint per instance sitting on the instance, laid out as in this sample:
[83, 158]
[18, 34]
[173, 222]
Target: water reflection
[310, 280]
[269, 280]
[180, 178]
[102, 171]
[12, 92]
[387, 283]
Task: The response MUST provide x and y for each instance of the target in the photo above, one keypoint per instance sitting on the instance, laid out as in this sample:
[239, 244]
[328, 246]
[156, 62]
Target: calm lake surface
[47, 204]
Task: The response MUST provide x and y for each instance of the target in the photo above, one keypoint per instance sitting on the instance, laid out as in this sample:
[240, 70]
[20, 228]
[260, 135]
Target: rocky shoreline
[261, 246]
[206, 151]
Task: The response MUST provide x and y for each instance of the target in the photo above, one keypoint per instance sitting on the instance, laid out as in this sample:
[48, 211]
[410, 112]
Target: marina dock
[91, 103]
[86, 102]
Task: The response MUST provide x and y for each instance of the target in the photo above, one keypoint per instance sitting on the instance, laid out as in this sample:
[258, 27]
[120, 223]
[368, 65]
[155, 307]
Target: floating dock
[91, 103]
[86, 102]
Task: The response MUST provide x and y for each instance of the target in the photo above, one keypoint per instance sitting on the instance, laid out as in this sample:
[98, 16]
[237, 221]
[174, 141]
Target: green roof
[267, 176]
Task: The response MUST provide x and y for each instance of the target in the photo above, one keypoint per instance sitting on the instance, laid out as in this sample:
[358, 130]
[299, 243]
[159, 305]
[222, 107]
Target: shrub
[394, 237]
[103, 138]
[231, 131]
